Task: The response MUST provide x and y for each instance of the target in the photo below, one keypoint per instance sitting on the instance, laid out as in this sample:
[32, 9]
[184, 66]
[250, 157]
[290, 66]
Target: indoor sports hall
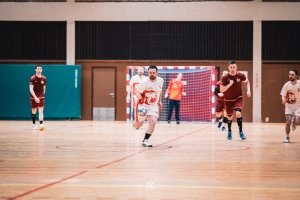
[70, 109]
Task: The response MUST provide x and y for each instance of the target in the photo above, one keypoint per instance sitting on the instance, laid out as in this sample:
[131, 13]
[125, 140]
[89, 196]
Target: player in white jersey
[148, 94]
[134, 82]
[290, 94]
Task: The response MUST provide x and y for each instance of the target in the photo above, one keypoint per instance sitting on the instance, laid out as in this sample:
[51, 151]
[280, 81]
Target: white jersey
[135, 81]
[291, 93]
[151, 91]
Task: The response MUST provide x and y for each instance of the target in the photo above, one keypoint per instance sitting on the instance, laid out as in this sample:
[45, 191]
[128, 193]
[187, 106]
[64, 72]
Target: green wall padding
[63, 91]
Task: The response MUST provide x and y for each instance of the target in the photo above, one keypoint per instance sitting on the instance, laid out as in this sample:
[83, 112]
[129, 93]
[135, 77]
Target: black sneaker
[178, 122]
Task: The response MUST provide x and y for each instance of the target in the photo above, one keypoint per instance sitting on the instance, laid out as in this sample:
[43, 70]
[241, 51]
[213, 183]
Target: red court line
[98, 167]
[47, 185]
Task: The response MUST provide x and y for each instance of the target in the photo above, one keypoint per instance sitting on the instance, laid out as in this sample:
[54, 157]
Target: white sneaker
[42, 127]
[146, 144]
[34, 127]
[286, 140]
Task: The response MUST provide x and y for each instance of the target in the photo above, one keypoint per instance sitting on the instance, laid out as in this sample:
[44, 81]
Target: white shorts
[142, 111]
[289, 110]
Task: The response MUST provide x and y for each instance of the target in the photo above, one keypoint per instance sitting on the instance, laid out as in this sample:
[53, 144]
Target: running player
[220, 108]
[134, 82]
[290, 94]
[148, 95]
[37, 87]
[231, 86]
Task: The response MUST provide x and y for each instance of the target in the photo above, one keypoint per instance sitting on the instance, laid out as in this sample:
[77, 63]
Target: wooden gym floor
[74, 160]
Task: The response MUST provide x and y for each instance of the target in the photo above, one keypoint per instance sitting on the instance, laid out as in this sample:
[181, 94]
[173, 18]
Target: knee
[288, 123]
[152, 121]
[238, 112]
[229, 117]
[219, 114]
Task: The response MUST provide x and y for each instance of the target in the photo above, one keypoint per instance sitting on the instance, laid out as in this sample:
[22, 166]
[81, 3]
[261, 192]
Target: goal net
[199, 103]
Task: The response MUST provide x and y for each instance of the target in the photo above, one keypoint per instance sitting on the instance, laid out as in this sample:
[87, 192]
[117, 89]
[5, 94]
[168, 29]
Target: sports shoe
[286, 140]
[34, 127]
[178, 122]
[223, 128]
[146, 143]
[42, 127]
[229, 136]
[169, 121]
[219, 124]
[242, 136]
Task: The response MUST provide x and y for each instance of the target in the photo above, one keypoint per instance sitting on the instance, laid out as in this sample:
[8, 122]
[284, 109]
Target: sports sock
[229, 125]
[33, 116]
[240, 123]
[147, 136]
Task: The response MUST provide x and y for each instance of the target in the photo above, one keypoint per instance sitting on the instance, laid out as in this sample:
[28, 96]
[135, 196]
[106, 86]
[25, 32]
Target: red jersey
[235, 90]
[217, 91]
[175, 89]
[38, 86]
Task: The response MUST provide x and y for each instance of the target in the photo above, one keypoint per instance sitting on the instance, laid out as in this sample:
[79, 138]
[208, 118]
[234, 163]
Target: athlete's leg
[177, 108]
[288, 123]
[225, 120]
[219, 112]
[138, 125]
[152, 120]
[170, 110]
[33, 113]
[229, 110]
[41, 114]
[239, 119]
[41, 118]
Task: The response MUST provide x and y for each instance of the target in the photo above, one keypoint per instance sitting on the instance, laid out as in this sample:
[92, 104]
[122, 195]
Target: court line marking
[101, 166]
[172, 186]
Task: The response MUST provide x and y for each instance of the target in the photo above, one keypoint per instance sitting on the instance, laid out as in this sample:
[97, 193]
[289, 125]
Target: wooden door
[104, 94]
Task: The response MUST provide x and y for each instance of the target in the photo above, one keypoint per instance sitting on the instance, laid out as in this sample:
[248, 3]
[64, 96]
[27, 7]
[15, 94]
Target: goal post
[199, 103]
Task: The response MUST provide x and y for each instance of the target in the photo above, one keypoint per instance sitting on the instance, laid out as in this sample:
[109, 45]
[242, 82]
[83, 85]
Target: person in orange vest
[175, 92]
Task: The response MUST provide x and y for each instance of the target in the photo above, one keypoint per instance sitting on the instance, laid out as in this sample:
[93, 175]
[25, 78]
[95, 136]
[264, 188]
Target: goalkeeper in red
[231, 86]
[148, 95]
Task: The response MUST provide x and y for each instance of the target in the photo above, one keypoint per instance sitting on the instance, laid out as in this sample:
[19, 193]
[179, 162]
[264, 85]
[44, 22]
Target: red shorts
[231, 105]
[220, 106]
[37, 105]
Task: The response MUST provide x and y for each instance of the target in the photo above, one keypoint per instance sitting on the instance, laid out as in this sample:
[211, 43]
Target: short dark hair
[294, 70]
[38, 66]
[152, 67]
[232, 62]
